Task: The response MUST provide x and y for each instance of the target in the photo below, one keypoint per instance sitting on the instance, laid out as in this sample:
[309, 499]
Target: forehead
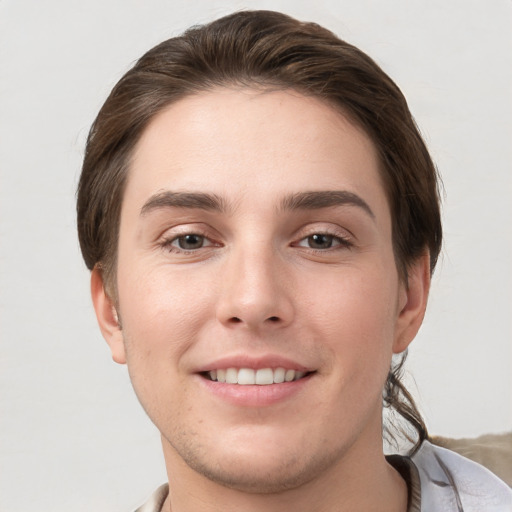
[244, 142]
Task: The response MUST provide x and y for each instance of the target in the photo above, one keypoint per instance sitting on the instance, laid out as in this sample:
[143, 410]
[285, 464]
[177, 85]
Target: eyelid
[320, 228]
[172, 240]
[183, 229]
[342, 242]
[171, 235]
[343, 238]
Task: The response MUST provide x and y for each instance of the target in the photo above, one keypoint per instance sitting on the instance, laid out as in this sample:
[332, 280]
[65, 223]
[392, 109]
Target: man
[261, 219]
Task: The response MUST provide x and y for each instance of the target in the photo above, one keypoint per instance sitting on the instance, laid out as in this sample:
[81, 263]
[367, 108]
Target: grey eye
[190, 242]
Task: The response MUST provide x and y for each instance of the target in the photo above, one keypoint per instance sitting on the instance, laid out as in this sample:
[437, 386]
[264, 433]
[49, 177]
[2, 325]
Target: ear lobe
[413, 303]
[106, 315]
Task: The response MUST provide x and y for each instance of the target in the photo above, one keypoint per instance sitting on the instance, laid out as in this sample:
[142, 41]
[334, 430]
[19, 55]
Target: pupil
[190, 242]
[320, 241]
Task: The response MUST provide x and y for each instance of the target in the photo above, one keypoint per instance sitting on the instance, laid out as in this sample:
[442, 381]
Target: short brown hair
[263, 49]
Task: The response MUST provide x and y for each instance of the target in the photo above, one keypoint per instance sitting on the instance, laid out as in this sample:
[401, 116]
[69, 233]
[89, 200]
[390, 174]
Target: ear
[107, 317]
[412, 303]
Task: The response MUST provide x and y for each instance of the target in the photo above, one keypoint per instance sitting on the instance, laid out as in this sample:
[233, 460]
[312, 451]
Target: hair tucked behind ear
[399, 401]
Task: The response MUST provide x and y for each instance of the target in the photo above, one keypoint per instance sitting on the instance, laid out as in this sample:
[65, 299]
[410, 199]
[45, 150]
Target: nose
[256, 291]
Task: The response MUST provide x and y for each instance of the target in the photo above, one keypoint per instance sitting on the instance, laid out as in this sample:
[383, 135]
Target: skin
[260, 286]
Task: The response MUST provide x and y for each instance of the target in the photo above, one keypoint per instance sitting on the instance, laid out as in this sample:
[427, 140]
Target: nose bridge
[254, 292]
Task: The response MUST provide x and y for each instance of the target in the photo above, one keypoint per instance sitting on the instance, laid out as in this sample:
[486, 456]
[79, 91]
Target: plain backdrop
[72, 437]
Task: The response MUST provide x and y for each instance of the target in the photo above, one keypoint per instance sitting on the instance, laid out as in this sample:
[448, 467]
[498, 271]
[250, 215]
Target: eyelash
[341, 242]
[167, 243]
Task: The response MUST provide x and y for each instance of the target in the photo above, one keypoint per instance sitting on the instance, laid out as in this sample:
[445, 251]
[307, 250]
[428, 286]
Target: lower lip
[254, 395]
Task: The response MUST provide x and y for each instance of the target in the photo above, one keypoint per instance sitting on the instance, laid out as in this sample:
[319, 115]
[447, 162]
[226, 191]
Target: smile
[250, 377]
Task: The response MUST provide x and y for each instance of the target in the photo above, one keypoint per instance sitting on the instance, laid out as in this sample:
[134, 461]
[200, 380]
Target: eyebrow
[196, 200]
[314, 200]
[325, 199]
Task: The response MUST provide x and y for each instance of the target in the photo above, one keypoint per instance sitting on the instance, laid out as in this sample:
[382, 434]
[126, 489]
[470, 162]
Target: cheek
[355, 316]
[161, 314]
[362, 301]
[152, 295]
[161, 318]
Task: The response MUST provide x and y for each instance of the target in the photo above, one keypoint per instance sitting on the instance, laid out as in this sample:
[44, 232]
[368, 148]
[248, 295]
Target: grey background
[71, 435]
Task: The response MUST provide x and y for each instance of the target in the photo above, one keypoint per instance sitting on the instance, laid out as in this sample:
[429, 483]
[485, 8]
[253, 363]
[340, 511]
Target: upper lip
[256, 363]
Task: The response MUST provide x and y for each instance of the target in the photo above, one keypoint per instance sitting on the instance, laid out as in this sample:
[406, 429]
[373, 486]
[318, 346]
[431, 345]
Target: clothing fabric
[156, 500]
[493, 451]
[450, 482]
[438, 480]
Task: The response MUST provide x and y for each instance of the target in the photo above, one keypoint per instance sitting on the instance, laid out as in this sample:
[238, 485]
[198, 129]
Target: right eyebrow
[195, 200]
[316, 200]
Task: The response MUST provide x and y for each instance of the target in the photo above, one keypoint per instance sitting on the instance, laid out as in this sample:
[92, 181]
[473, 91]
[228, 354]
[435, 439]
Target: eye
[320, 241]
[323, 241]
[189, 242]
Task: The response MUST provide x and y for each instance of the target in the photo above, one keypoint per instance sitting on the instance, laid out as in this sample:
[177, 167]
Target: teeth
[245, 376]
[279, 375]
[289, 375]
[264, 376]
[261, 377]
[231, 376]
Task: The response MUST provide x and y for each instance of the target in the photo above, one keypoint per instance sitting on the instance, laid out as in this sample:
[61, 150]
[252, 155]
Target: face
[258, 295]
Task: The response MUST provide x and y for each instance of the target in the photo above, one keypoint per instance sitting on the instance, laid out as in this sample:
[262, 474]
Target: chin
[269, 478]
[265, 471]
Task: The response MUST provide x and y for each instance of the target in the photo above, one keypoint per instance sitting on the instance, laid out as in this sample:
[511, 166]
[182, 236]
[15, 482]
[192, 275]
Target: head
[263, 52]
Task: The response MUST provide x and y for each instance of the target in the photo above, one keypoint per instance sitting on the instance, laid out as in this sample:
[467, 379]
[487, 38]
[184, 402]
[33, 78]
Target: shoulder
[156, 500]
[452, 482]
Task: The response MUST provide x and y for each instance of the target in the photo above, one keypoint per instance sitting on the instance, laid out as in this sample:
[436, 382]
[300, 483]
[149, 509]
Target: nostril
[237, 320]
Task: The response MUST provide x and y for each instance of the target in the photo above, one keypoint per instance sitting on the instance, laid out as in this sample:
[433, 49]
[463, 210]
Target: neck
[362, 480]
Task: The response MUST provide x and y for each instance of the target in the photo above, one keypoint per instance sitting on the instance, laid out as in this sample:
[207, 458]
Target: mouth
[251, 377]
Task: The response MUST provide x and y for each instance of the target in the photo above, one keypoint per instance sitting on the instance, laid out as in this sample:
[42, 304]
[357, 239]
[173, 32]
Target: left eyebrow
[190, 200]
[325, 199]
